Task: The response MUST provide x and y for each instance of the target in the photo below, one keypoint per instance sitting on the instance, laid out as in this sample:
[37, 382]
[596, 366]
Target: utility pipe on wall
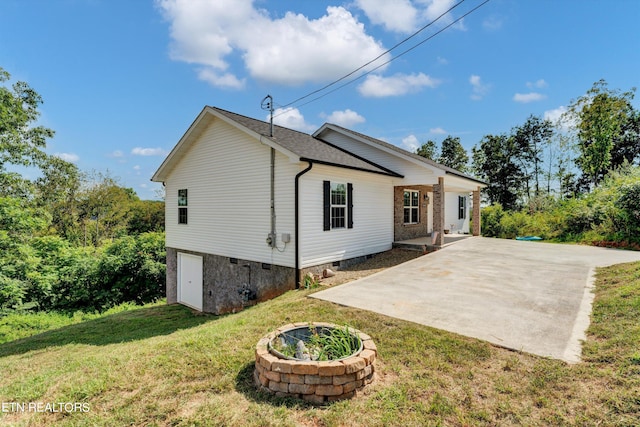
[271, 240]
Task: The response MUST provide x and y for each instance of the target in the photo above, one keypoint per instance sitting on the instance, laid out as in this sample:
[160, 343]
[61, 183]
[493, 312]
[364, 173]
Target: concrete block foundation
[224, 278]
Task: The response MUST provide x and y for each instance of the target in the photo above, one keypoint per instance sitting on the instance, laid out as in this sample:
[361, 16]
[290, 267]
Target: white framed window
[411, 203]
[338, 205]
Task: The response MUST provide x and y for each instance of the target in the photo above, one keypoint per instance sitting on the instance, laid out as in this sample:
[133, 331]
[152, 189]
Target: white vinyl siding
[451, 213]
[223, 170]
[372, 230]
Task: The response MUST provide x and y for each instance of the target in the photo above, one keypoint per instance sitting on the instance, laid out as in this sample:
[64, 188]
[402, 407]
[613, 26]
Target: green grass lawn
[165, 365]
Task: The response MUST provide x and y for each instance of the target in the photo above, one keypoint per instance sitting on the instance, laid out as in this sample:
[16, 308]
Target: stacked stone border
[315, 382]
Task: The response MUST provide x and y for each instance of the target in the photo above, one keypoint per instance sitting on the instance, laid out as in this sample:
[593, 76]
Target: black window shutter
[349, 205]
[326, 191]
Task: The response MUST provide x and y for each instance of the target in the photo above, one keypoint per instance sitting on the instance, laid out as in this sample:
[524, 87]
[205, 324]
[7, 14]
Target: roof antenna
[267, 104]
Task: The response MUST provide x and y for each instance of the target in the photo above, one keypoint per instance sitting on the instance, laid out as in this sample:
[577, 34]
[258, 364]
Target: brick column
[476, 212]
[438, 211]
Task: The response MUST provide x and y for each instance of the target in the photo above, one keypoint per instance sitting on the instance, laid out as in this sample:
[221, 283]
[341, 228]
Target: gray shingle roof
[407, 153]
[306, 146]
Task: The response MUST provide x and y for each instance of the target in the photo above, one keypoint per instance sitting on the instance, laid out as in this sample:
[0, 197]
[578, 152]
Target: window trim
[183, 204]
[328, 206]
[338, 221]
[411, 207]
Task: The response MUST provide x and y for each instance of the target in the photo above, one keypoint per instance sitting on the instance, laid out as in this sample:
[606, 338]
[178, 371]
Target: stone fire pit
[315, 381]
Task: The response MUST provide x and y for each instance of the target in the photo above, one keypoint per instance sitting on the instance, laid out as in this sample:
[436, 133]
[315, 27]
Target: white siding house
[228, 201]
[250, 208]
[372, 230]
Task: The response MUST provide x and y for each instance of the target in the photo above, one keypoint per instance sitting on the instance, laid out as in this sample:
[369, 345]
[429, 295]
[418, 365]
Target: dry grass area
[167, 366]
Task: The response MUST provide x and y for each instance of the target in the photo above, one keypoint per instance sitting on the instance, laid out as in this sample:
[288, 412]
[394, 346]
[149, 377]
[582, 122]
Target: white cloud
[68, 157]
[410, 143]
[492, 23]
[139, 151]
[223, 80]
[538, 84]
[438, 131]
[116, 154]
[136, 167]
[442, 61]
[290, 50]
[395, 15]
[555, 114]
[398, 84]
[528, 97]
[558, 117]
[479, 89]
[291, 118]
[345, 118]
[435, 8]
[405, 16]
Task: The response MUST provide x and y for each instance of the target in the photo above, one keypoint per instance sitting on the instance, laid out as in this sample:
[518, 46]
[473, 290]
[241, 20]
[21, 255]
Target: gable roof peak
[395, 149]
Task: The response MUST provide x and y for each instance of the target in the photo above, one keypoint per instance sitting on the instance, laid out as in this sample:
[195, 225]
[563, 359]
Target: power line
[378, 57]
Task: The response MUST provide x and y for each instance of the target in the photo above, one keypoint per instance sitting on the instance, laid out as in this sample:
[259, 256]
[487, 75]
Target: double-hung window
[338, 205]
[182, 206]
[462, 207]
[411, 201]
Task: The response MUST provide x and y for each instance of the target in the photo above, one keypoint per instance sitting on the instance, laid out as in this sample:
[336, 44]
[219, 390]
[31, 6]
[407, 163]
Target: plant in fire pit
[319, 344]
[315, 361]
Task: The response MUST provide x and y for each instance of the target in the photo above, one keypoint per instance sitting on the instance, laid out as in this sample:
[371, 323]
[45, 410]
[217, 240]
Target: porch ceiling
[457, 184]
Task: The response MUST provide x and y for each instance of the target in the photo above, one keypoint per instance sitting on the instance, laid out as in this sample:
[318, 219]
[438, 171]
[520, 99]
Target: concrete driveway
[527, 296]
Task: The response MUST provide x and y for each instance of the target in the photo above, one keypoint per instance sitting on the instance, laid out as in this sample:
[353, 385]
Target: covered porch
[433, 215]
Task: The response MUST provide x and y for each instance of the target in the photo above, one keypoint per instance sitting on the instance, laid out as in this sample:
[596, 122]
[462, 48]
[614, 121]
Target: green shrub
[628, 203]
[12, 293]
[133, 268]
[490, 220]
[513, 224]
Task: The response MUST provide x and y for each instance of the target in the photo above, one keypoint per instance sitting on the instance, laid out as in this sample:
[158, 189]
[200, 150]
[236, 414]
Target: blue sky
[122, 80]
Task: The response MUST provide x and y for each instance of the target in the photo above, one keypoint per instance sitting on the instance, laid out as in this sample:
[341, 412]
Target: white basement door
[190, 280]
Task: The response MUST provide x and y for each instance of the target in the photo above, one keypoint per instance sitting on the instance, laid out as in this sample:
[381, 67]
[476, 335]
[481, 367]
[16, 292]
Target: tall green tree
[58, 189]
[497, 160]
[21, 142]
[531, 138]
[428, 150]
[599, 115]
[453, 154]
[626, 146]
[104, 207]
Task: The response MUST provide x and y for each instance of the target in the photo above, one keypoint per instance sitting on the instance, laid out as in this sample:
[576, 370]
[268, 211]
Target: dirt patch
[378, 263]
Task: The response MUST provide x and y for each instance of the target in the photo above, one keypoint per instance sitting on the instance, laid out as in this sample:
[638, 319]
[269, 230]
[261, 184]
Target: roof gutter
[297, 219]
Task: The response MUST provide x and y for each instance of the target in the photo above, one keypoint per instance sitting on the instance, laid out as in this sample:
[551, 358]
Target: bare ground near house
[376, 264]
